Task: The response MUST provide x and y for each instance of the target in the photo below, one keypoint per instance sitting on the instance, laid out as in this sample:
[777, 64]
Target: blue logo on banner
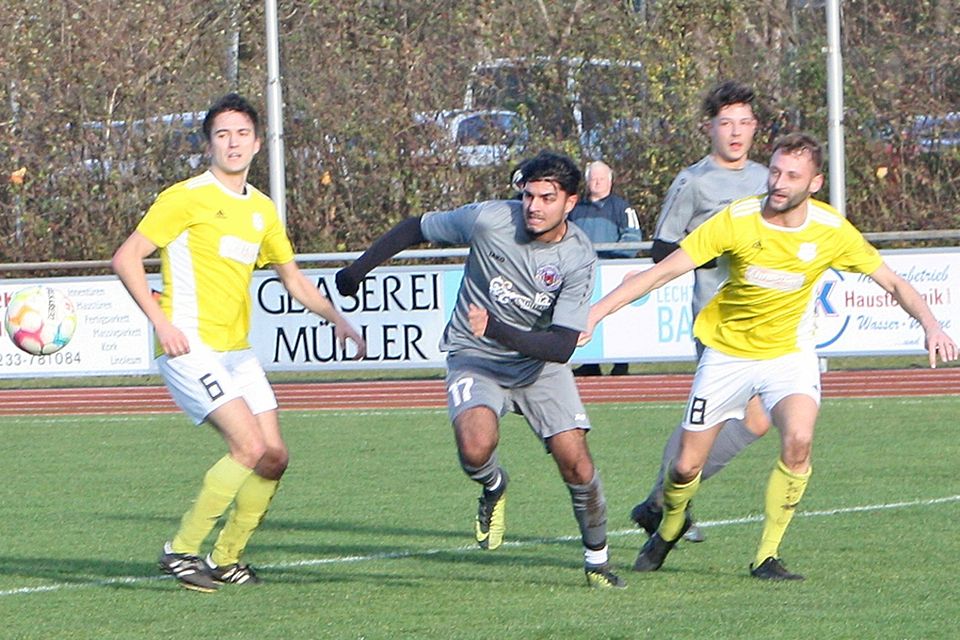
[830, 322]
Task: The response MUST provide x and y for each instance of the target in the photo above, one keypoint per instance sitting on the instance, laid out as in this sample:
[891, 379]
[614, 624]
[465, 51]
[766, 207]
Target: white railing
[942, 237]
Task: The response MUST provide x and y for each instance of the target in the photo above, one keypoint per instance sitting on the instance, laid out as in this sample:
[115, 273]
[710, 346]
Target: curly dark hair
[551, 166]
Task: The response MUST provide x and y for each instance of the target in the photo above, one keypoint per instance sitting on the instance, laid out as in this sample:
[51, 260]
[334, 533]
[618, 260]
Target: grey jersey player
[522, 304]
[529, 285]
[699, 191]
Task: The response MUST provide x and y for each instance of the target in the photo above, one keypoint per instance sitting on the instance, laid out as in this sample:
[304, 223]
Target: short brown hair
[725, 94]
[798, 142]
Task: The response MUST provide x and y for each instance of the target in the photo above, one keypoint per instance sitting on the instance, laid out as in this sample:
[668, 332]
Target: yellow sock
[675, 500]
[249, 508]
[220, 485]
[784, 491]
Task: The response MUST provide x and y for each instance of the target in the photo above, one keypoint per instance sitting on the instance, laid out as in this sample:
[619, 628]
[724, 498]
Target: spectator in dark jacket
[606, 217]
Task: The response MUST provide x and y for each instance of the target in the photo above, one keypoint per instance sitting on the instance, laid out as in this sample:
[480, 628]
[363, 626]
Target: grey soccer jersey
[523, 282]
[698, 192]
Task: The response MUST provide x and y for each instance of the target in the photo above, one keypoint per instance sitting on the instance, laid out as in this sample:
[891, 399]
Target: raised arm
[636, 285]
[935, 339]
[404, 235]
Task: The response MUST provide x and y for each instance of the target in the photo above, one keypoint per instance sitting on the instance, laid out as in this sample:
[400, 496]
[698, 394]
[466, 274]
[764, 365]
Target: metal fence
[941, 238]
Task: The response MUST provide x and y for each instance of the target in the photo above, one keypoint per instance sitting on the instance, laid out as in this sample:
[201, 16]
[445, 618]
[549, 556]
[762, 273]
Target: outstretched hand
[593, 318]
[343, 330]
[585, 336]
[347, 283]
[938, 342]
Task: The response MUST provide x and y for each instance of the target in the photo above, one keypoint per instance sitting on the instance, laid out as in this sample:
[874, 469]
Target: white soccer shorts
[724, 384]
[203, 380]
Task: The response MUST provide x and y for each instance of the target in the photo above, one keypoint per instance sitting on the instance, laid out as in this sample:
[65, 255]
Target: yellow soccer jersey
[210, 240]
[765, 309]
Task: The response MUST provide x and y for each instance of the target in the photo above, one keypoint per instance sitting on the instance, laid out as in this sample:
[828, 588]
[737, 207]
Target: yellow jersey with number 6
[211, 239]
[765, 309]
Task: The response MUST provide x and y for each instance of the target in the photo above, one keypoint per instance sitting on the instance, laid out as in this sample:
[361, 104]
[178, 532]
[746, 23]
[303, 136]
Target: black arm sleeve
[661, 249]
[555, 344]
[404, 235]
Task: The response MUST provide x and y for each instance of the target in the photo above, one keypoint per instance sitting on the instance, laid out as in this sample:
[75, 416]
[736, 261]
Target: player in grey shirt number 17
[522, 304]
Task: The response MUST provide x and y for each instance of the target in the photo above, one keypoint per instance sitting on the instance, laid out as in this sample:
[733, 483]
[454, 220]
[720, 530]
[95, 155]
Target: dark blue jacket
[611, 219]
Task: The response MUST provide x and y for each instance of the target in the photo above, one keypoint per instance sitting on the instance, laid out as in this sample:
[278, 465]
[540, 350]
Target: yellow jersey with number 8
[765, 309]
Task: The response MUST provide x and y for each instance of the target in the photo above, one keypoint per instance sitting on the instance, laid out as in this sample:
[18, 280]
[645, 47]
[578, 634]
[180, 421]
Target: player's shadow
[416, 575]
[53, 574]
[57, 573]
[337, 565]
[335, 544]
[460, 534]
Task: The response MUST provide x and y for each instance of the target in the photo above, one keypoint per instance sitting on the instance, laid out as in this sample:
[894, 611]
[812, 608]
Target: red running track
[394, 394]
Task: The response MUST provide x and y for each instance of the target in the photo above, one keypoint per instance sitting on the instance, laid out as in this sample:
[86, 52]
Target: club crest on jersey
[807, 251]
[257, 221]
[549, 277]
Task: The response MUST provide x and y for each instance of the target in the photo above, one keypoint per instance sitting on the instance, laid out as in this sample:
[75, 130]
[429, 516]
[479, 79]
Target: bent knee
[797, 451]
[273, 462]
[758, 424]
[476, 445]
[684, 471]
[249, 453]
[580, 472]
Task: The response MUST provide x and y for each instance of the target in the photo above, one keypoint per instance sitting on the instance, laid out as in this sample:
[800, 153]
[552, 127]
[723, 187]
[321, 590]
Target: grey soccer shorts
[550, 404]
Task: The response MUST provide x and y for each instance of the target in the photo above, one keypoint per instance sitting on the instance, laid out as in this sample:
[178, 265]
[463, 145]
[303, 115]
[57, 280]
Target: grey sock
[733, 438]
[590, 510]
[670, 451]
[487, 474]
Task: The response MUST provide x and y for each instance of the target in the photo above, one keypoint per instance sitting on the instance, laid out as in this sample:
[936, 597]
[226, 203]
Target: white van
[596, 101]
[479, 138]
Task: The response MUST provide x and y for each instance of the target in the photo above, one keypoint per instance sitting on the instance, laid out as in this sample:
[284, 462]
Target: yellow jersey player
[758, 335]
[697, 193]
[212, 231]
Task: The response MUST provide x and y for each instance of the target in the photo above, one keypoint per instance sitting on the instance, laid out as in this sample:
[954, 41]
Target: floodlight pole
[837, 160]
[278, 187]
[233, 47]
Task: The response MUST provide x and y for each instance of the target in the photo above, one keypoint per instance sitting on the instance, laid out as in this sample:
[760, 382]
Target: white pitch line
[835, 512]
[399, 555]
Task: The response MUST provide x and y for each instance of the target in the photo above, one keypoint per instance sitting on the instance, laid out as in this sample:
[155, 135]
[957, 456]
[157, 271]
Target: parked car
[893, 143]
[934, 134]
[478, 138]
[592, 100]
[116, 146]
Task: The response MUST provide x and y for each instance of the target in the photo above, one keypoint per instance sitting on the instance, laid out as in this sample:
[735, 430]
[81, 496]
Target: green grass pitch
[370, 535]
